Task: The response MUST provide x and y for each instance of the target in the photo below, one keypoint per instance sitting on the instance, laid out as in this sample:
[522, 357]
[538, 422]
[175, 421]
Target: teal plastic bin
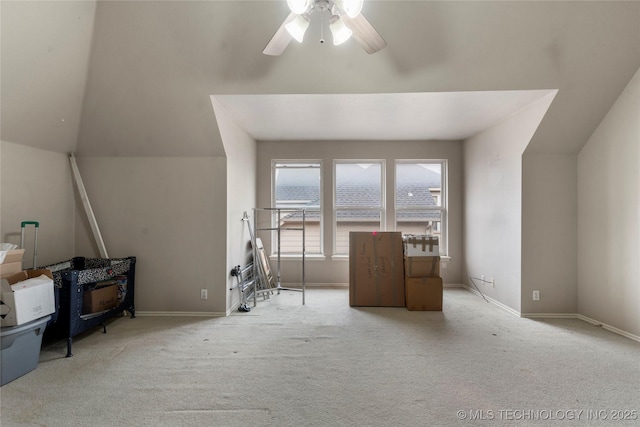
[20, 349]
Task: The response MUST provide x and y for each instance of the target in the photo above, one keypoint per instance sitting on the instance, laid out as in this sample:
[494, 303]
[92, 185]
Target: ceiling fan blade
[280, 39]
[364, 33]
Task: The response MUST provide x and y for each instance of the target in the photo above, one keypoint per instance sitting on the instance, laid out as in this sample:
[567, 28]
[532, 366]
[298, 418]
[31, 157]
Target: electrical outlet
[203, 294]
[536, 295]
[493, 284]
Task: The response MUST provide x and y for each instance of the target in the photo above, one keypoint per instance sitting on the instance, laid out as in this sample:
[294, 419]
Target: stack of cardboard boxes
[422, 281]
[387, 269]
[26, 301]
[25, 295]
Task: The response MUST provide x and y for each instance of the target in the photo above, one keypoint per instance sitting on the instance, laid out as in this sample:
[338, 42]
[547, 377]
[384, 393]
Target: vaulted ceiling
[134, 78]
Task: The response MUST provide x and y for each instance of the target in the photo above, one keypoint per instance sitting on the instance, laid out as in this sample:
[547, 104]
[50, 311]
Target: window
[358, 200]
[421, 198]
[297, 185]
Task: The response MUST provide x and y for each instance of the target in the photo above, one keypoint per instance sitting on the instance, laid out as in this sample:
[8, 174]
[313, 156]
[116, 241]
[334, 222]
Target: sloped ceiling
[44, 57]
[155, 64]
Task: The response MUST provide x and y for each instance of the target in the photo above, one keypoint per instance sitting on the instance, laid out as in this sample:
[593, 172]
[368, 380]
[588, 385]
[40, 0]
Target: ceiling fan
[345, 20]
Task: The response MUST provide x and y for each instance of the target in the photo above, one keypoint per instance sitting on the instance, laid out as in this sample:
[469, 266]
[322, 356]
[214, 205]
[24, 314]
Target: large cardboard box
[26, 296]
[423, 293]
[422, 266]
[420, 245]
[100, 299]
[376, 271]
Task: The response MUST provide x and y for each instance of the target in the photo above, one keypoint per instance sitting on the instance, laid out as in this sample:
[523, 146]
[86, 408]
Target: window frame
[313, 163]
[444, 199]
[382, 209]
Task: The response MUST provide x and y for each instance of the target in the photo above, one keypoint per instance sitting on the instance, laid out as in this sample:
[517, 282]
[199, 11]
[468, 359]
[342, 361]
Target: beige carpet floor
[328, 364]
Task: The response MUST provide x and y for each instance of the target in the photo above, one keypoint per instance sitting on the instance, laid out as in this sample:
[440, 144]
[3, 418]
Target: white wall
[36, 185]
[240, 150]
[549, 233]
[609, 216]
[337, 271]
[171, 214]
[493, 203]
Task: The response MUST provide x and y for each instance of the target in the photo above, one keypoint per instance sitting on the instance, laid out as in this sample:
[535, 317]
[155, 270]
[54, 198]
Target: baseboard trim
[584, 319]
[298, 285]
[609, 328]
[493, 301]
[233, 308]
[549, 315]
[180, 314]
[346, 285]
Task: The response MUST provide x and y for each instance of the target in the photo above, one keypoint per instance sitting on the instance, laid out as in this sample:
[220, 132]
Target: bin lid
[9, 330]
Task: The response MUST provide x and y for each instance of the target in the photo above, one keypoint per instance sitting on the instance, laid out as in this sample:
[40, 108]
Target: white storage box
[420, 245]
[26, 296]
[20, 349]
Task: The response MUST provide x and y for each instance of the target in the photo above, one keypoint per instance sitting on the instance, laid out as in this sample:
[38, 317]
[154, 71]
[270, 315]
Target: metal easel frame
[277, 229]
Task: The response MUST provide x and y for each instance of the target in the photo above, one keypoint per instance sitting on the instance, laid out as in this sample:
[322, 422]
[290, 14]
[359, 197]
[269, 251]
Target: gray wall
[609, 218]
[171, 214]
[36, 185]
[549, 233]
[493, 203]
[240, 150]
[336, 271]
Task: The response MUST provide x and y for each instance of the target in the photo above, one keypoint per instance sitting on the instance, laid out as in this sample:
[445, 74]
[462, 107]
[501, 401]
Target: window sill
[314, 257]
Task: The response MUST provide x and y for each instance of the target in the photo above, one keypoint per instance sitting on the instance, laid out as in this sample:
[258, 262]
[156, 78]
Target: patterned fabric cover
[96, 270]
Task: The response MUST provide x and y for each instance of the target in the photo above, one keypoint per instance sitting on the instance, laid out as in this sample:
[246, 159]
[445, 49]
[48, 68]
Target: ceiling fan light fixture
[341, 33]
[298, 27]
[345, 21]
[299, 6]
[351, 7]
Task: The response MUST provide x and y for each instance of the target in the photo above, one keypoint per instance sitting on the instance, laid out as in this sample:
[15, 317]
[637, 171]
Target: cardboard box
[10, 269]
[100, 299]
[376, 270]
[26, 296]
[14, 255]
[422, 266]
[423, 293]
[420, 245]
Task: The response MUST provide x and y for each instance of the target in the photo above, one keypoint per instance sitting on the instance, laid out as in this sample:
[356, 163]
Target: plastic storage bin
[21, 349]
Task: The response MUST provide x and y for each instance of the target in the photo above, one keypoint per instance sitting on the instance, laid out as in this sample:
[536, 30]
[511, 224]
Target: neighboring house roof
[355, 189]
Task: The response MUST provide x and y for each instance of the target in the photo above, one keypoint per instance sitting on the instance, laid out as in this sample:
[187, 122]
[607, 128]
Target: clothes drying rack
[261, 264]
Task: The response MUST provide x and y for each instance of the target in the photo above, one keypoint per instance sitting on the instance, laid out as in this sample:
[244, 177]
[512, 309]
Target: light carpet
[328, 364]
